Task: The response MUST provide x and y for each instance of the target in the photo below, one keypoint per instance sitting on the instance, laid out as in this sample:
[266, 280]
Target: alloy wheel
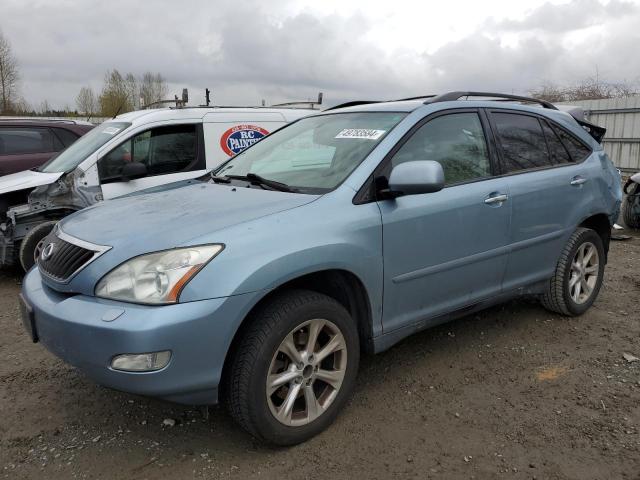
[585, 269]
[306, 372]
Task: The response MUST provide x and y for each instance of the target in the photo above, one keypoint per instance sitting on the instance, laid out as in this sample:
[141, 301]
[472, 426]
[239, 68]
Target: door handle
[577, 180]
[497, 199]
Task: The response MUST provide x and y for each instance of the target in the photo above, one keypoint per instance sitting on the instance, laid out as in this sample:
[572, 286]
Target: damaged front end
[45, 204]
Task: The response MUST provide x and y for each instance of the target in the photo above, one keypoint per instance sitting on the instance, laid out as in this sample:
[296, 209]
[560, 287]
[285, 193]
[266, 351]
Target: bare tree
[591, 88]
[153, 88]
[549, 92]
[114, 98]
[45, 108]
[86, 101]
[131, 86]
[9, 76]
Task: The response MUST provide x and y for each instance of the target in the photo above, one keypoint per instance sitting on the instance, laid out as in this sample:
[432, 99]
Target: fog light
[141, 362]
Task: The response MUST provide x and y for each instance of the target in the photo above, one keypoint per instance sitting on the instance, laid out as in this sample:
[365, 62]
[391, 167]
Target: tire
[628, 217]
[30, 244]
[561, 296]
[292, 315]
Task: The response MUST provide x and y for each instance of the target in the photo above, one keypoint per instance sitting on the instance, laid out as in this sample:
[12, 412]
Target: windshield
[72, 156]
[315, 154]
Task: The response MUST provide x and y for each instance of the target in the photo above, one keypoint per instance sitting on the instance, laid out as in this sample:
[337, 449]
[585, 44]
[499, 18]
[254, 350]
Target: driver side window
[454, 140]
[162, 150]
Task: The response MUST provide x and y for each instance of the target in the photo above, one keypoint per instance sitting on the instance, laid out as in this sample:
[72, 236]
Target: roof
[411, 104]
[198, 113]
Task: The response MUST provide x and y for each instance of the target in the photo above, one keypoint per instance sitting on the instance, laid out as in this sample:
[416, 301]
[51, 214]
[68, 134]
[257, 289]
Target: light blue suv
[340, 233]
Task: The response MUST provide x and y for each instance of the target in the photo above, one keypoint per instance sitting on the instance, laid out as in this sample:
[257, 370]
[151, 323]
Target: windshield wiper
[255, 179]
[216, 179]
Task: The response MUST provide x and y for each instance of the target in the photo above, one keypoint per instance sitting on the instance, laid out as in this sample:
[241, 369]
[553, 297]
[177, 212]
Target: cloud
[564, 18]
[245, 51]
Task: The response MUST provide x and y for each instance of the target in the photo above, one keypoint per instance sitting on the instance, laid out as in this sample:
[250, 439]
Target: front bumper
[197, 333]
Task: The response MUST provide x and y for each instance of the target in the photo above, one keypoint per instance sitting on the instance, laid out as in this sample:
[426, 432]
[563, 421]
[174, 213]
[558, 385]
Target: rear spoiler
[577, 112]
[595, 131]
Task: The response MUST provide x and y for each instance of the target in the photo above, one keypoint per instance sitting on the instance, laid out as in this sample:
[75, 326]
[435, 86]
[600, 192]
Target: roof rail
[38, 119]
[419, 97]
[352, 104]
[453, 96]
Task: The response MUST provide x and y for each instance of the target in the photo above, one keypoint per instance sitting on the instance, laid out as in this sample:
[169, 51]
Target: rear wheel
[578, 276]
[31, 245]
[294, 368]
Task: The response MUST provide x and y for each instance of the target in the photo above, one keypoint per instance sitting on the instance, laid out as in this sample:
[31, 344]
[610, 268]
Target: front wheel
[31, 245]
[294, 368]
[631, 210]
[578, 276]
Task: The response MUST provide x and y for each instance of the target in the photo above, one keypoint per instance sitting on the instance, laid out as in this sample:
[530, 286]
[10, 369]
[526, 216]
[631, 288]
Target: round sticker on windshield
[237, 138]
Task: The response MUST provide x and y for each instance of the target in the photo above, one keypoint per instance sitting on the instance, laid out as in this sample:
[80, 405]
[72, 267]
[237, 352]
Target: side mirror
[414, 178]
[133, 170]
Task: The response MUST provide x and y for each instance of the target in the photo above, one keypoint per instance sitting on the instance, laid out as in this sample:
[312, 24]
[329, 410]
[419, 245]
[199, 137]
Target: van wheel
[294, 368]
[578, 276]
[31, 245]
[630, 219]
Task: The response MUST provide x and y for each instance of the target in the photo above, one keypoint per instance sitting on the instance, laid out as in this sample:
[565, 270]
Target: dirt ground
[514, 392]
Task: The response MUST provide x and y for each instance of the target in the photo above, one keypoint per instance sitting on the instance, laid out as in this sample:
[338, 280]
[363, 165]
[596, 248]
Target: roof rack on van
[453, 96]
[310, 103]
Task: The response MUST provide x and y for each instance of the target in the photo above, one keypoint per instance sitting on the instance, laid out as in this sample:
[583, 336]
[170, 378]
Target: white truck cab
[131, 152]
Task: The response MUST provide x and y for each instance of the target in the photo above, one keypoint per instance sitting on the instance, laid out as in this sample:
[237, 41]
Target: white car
[131, 152]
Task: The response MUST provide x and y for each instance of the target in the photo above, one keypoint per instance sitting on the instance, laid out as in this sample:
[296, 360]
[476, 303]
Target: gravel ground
[514, 392]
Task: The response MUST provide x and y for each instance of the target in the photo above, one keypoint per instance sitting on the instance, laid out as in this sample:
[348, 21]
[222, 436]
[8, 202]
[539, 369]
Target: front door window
[162, 150]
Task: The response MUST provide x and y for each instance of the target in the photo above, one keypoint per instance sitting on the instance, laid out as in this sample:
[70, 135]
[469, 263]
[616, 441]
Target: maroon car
[29, 142]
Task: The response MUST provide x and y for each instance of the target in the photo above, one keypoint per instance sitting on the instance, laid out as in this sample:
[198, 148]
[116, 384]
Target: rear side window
[522, 141]
[65, 136]
[456, 141]
[576, 148]
[557, 150]
[26, 140]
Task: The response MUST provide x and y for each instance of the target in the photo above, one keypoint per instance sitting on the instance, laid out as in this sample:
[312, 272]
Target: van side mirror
[133, 170]
[414, 178]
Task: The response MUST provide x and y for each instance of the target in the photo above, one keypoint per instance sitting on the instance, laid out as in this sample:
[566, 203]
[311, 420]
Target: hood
[172, 217]
[26, 179]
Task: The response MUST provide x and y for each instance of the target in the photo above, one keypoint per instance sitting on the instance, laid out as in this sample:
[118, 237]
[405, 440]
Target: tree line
[591, 88]
[120, 92]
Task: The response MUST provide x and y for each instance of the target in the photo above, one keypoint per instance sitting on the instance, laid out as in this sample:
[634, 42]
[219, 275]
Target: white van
[131, 152]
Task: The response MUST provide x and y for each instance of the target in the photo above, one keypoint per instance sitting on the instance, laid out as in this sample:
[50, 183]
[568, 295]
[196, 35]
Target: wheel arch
[342, 285]
[601, 225]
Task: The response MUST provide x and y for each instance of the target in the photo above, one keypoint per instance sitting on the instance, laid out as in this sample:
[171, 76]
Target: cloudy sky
[284, 50]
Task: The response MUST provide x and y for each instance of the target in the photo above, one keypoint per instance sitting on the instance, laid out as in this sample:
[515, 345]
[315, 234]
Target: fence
[621, 118]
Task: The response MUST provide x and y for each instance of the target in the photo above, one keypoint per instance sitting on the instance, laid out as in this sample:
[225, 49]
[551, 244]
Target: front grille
[61, 259]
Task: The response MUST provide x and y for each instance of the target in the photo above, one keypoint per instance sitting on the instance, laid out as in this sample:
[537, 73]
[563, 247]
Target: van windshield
[315, 154]
[72, 156]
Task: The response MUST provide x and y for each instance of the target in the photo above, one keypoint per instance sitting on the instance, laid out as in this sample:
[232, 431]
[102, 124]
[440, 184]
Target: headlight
[156, 278]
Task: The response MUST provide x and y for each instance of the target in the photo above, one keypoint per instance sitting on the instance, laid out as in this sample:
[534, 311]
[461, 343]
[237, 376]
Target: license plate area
[28, 319]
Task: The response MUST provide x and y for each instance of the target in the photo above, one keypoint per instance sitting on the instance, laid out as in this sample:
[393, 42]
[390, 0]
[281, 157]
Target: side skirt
[387, 340]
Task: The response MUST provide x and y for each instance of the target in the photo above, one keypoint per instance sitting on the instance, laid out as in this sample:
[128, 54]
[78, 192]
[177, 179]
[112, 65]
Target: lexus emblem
[47, 251]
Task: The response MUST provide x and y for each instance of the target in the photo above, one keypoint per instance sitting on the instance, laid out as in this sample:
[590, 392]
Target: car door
[546, 186]
[445, 250]
[169, 153]
[25, 147]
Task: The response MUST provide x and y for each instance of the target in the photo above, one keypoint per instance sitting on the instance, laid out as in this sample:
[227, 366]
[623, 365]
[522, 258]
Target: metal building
[621, 118]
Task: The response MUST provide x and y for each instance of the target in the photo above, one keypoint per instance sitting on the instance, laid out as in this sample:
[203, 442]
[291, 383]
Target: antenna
[207, 96]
